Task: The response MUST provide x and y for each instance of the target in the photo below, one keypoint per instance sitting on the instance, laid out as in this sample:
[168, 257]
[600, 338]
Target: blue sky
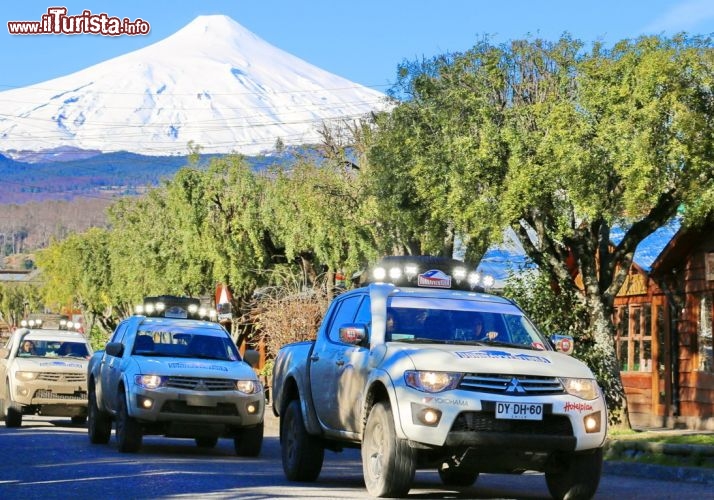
[363, 40]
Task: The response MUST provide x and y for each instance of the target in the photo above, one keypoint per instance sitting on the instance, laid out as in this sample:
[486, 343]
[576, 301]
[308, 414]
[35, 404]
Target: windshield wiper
[508, 344]
[420, 340]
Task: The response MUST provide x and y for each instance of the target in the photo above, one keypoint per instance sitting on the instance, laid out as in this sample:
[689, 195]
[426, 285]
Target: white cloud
[686, 16]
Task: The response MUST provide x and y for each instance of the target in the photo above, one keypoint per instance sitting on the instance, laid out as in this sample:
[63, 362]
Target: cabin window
[633, 331]
[706, 362]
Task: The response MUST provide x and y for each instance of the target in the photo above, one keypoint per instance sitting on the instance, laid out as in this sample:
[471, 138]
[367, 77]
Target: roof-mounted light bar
[31, 323]
[429, 272]
[171, 306]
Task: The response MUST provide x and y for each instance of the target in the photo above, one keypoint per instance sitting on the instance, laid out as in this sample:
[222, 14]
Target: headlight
[584, 388]
[26, 376]
[432, 381]
[248, 386]
[148, 381]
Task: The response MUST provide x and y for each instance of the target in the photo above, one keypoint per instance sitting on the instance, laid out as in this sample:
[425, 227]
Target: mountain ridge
[213, 83]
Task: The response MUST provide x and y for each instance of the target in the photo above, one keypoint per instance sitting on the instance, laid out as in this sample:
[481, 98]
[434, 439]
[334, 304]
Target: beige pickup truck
[44, 372]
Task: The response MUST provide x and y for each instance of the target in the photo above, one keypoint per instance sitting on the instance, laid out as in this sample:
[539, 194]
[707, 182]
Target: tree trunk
[606, 364]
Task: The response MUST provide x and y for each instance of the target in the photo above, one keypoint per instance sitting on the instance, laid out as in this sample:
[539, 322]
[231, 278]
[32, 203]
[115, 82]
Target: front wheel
[99, 423]
[128, 433]
[579, 478]
[248, 442]
[302, 454]
[13, 411]
[388, 463]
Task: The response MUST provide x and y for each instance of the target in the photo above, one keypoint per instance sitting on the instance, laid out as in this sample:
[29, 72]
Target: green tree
[18, 300]
[314, 212]
[562, 144]
[77, 272]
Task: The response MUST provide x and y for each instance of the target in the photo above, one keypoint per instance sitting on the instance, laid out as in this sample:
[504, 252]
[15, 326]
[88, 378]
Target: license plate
[519, 411]
[200, 401]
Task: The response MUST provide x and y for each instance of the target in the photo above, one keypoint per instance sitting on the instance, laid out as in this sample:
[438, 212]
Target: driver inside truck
[27, 349]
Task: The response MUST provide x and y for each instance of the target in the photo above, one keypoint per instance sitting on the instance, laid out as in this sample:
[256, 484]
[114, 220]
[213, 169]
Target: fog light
[592, 422]
[424, 415]
[252, 408]
[431, 417]
[144, 403]
[23, 391]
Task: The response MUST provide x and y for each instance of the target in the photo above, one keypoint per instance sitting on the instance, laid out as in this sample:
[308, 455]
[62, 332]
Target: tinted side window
[364, 313]
[119, 332]
[345, 314]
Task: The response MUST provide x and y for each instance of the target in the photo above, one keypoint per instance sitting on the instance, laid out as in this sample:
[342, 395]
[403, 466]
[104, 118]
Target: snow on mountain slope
[213, 83]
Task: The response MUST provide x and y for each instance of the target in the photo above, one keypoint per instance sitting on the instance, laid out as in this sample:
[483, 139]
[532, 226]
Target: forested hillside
[50, 195]
[29, 226]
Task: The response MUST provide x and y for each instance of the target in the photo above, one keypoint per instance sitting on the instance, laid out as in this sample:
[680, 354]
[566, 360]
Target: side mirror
[115, 349]
[353, 333]
[252, 357]
[562, 343]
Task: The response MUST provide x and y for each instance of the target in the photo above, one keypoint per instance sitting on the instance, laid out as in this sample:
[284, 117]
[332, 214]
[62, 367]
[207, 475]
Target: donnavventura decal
[198, 366]
[493, 354]
[64, 364]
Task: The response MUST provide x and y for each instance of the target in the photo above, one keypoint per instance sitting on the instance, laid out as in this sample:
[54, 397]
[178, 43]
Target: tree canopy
[561, 143]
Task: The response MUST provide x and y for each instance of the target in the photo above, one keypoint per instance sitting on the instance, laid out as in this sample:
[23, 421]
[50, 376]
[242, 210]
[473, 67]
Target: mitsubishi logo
[201, 386]
[515, 387]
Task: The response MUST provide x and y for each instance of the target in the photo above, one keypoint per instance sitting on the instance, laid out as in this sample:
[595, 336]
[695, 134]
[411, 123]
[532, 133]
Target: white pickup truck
[420, 375]
[164, 372]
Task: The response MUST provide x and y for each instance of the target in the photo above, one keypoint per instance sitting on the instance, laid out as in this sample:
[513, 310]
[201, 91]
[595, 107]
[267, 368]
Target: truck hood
[490, 359]
[193, 367]
[57, 365]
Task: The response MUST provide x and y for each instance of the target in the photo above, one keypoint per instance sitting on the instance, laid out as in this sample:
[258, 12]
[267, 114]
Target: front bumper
[169, 405]
[467, 419]
[62, 396]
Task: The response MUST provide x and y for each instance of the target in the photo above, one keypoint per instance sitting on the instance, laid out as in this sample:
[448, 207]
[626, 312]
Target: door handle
[315, 358]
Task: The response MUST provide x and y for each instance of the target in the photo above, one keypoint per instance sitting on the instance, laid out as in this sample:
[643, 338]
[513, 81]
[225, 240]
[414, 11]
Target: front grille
[70, 378]
[46, 394]
[201, 384]
[512, 385]
[221, 409]
[485, 421]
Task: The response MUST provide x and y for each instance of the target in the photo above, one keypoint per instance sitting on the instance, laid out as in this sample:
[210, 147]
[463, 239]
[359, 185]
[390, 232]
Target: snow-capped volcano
[212, 83]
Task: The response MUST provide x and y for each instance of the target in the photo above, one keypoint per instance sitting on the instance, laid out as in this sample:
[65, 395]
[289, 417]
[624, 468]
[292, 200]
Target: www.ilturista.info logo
[57, 22]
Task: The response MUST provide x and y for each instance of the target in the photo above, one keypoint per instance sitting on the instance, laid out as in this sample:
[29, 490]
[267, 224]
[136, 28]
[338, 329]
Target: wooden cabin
[664, 321]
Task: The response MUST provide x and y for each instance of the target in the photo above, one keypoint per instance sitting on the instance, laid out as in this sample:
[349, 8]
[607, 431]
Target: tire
[79, 419]
[128, 433]
[249, 441]
[302, 453]
[13, 411]
[99, 424]
[457, 476]
[580, 477]
[206, 442]
[388, 463]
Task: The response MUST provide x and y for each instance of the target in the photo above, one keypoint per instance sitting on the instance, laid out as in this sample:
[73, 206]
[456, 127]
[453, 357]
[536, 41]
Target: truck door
[330, 358]
[111, 370]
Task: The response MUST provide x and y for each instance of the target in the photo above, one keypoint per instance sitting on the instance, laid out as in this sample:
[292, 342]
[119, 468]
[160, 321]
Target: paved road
[48, 458]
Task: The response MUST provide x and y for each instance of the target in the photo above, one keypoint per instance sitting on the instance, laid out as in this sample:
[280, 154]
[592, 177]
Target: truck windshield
[185, 345]
[453, 321]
